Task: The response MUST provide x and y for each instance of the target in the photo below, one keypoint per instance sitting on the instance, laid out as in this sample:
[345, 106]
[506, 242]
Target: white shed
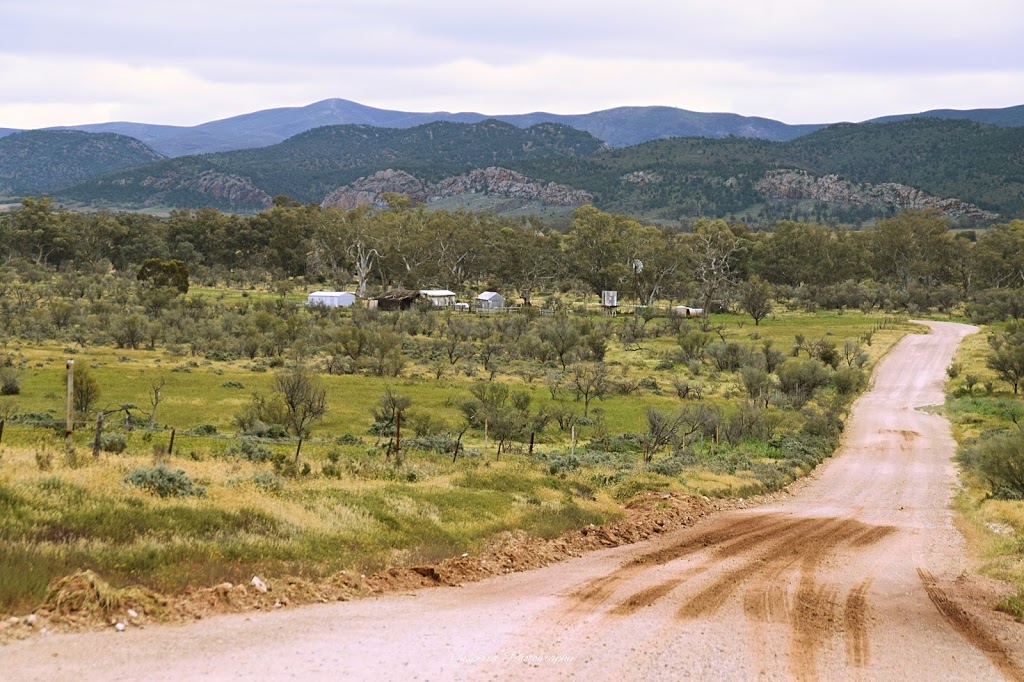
[441, 298]
[490, 300]
[331, 299]
[687, 311]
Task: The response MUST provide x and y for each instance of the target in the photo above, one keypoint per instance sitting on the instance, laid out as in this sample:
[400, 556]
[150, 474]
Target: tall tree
[713, 246]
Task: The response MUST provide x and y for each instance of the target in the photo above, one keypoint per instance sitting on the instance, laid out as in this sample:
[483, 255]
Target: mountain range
[619, 127]
[843, 173]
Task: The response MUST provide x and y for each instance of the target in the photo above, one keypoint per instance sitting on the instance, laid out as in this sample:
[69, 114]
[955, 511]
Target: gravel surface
[861, 575]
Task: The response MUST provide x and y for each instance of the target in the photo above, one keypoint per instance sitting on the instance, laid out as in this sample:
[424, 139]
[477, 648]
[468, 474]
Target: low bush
[999, 460]
[164, 482]
[268, 482]
[10, 381]
[249, 450]
[114, 442]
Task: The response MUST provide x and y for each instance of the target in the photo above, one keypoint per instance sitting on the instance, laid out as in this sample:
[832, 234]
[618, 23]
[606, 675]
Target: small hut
[440, 298]
[331, 299]
[490, 300]
[397, 299]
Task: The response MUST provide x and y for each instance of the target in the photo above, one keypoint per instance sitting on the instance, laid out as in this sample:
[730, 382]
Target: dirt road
[860, 576]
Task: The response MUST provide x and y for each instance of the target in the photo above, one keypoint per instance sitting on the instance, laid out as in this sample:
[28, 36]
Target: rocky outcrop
[641, 177]
[500, 182]
[237, 191]
[799, 185]
[371, 189]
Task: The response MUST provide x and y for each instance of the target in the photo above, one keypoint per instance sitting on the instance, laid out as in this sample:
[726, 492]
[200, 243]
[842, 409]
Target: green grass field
[352, 509]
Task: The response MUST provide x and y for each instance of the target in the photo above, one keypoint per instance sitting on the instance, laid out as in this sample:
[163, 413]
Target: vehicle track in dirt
[860, 576]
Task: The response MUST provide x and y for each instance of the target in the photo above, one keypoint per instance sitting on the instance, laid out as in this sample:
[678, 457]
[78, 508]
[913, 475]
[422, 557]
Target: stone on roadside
[259, 584]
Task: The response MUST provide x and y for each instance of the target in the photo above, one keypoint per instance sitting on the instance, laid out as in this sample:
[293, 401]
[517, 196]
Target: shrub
[999, 460]
[442, 443]
[729, 357]
[800, 377]
[268, 482]
[825, 424]
[36, 419]
[249, 450]
[44, 458]
[164, 482]
[848, 380]
[10, 381]
[675, 463]
[204, 430]
[285, 465]
[113, 442]
[231, 383]
[348, 439]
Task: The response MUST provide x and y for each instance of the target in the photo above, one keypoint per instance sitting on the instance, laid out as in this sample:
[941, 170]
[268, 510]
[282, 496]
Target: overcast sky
[68, 62]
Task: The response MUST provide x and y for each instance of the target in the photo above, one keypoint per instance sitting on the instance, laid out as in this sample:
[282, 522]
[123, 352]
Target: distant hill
[626, 126]
[681, 177]
[310, 165]
[41, 161]
[4, 132]
[846, 173]
[619, 127]
[1008, 117]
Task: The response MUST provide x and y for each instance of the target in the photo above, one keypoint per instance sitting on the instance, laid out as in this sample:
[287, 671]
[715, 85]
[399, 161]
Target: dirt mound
[646, 515]
[84, 599]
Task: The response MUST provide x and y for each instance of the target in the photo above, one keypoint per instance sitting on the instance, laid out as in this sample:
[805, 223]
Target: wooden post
[98, 437]
[532, 434]
[70, 427]
[298, 450]
[458, 446]
[572, 440]
[2, 422]
[486, 425]
[398, 436]
[170, 448]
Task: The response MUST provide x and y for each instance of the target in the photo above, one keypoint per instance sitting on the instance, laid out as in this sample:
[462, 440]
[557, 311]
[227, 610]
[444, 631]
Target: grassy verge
[991, 514]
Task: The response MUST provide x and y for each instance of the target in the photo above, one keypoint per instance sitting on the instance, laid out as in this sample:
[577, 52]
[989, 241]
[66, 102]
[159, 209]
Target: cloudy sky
[69, 62]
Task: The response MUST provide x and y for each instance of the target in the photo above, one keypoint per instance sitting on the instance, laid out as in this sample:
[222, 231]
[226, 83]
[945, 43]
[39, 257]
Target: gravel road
[861, 575]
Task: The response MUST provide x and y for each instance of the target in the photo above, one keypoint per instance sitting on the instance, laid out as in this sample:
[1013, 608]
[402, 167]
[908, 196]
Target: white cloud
[189, 61]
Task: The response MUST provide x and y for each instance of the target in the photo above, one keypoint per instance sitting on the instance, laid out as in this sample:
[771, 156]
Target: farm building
[687, 311]
[397, 299]
[331, 299]
[490, 300]
[441, 298]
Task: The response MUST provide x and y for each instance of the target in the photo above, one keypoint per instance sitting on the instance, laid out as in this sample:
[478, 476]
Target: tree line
[910, 261]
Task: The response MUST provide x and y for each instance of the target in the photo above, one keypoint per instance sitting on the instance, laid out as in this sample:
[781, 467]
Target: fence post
[398, 436]
[70, 427]
[99, 436]
[2, 422]
[170, 447]
[298, 450]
